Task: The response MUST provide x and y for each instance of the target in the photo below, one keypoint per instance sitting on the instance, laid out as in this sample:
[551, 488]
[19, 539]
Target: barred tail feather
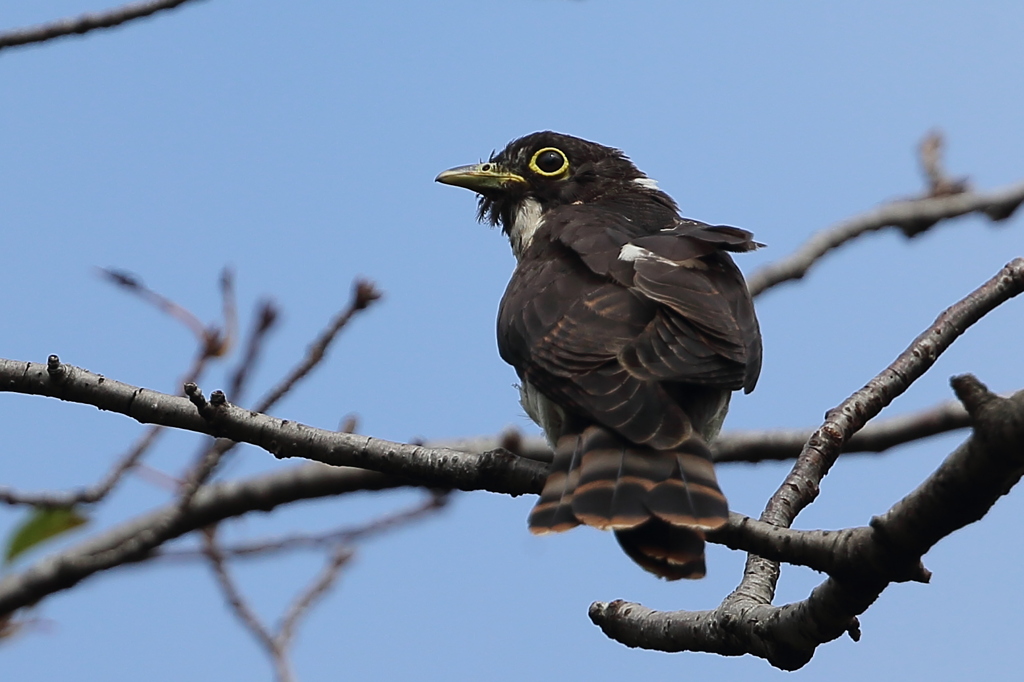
[667, 551]
[658, 502]
[553, 511]
[614, 480]
[690, 496]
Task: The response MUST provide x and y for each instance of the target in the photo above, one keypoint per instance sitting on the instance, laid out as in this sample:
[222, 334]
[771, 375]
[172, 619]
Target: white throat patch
[525, 222]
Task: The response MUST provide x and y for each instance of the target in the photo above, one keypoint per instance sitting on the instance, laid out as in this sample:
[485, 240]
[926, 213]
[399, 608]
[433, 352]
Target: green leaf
[42, 524]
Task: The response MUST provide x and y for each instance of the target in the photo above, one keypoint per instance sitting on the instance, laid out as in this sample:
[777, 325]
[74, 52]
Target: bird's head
[551, 169]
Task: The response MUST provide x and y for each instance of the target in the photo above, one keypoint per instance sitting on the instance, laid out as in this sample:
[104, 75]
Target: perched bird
[629, 327]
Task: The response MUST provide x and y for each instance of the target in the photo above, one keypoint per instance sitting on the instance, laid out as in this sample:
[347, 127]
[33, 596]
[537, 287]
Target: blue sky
[298, 142]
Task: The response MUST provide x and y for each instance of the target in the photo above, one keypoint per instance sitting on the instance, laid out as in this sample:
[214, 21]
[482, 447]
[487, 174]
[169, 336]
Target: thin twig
[241, 607]
[278, 644]
[264, 320]
[340, 536]
[229, 309]
[212, 343]
[939, 182]
[315, 591]
[134, 285]
[363, 294]
[93, 493]
[84, 23]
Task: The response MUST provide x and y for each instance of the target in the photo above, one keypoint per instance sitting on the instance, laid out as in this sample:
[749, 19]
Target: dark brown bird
[629, 327]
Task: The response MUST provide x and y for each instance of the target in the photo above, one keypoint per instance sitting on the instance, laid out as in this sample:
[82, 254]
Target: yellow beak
[481, 177]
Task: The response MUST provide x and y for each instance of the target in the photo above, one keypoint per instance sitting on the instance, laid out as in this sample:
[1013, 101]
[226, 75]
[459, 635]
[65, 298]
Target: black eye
[549, 161]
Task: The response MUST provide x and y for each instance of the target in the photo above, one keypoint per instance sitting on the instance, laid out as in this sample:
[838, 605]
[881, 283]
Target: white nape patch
[525, 222]
[649, 183]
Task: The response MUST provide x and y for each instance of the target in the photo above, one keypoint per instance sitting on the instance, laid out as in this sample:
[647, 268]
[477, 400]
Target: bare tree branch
[822, 550]
[449, 468]
[759, 446]
[212, 503]
[787, 636]
[85, 23]
[496, 471]
[363, 295]
[878, 436]
[960, 492]
[800, 487]
[112, 549]
[503, 472]
[912, 216]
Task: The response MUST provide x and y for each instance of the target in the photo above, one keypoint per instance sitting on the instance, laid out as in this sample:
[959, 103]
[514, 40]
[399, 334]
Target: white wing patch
[649, 183]
[631, 253]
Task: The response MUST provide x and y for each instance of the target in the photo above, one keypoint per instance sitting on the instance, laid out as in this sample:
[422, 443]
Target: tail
[658, 502]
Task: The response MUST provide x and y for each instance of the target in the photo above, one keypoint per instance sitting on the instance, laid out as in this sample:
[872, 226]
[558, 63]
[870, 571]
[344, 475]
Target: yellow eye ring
[549, 162]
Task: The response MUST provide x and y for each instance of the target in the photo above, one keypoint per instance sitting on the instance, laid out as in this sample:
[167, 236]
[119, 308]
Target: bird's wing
[562, 327]
[605, 335]
[705, 331]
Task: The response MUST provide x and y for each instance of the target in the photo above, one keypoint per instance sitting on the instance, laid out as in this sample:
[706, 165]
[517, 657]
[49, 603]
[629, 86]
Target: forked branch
[861, 562]
[866, 560]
